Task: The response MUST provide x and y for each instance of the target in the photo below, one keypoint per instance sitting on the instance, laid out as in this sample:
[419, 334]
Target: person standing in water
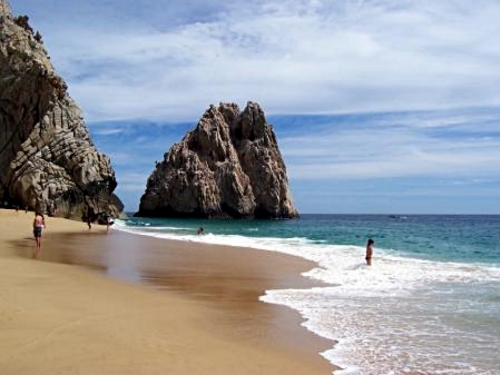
[369, 251]
[38, 225]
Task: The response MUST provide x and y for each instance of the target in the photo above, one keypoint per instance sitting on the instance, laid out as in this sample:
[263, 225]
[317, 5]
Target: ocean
[429, 304]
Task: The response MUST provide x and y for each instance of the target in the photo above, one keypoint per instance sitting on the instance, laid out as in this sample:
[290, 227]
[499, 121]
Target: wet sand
[139, 305]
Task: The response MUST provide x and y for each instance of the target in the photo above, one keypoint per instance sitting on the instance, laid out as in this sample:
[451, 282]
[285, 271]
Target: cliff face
[4, 8]
[47, 159]
[228, 166]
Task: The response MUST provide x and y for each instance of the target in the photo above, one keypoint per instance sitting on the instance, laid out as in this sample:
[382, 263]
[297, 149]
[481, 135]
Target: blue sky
[386, 106]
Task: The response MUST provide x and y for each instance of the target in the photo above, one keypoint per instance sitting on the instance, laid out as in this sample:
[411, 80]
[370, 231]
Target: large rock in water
[47, 159]
[228, 167]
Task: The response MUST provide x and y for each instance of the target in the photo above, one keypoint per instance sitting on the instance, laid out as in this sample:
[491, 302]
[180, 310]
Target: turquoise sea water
[430, 304]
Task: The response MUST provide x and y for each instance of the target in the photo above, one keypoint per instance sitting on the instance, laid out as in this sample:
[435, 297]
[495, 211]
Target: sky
[382, 106]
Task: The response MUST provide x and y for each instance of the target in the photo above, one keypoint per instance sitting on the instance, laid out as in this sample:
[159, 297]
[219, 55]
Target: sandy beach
[115, 303]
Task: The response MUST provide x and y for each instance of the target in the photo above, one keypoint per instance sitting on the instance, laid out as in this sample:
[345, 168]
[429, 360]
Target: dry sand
[143, 306]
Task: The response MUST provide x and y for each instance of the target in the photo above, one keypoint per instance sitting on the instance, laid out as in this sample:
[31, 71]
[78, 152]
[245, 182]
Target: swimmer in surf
[369, 252]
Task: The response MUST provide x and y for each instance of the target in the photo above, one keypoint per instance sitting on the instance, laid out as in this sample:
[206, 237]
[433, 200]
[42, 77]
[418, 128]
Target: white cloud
[105, 132]
[132, 182]
[389, 152]
[292, 56]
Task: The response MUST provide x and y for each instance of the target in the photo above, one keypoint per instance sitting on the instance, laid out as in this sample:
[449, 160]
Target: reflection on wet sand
[230, 278]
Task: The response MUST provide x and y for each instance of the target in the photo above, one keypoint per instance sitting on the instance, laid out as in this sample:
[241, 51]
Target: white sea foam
[393, 315]
[391, 318]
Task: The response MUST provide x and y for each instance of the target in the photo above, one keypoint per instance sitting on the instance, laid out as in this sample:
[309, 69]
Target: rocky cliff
[47, 159]
[229, 166]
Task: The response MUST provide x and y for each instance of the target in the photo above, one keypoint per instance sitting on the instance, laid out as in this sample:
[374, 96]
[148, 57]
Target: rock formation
[47, 159]
[229, 166]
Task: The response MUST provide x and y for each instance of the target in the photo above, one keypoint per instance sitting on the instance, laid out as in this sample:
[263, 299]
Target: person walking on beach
[369, 251]
[38, 225]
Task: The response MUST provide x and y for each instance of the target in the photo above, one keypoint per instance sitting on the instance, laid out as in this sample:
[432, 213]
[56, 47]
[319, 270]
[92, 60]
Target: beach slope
[57, 318]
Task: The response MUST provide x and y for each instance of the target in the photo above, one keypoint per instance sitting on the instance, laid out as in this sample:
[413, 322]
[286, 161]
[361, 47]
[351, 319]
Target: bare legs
[38, 241]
